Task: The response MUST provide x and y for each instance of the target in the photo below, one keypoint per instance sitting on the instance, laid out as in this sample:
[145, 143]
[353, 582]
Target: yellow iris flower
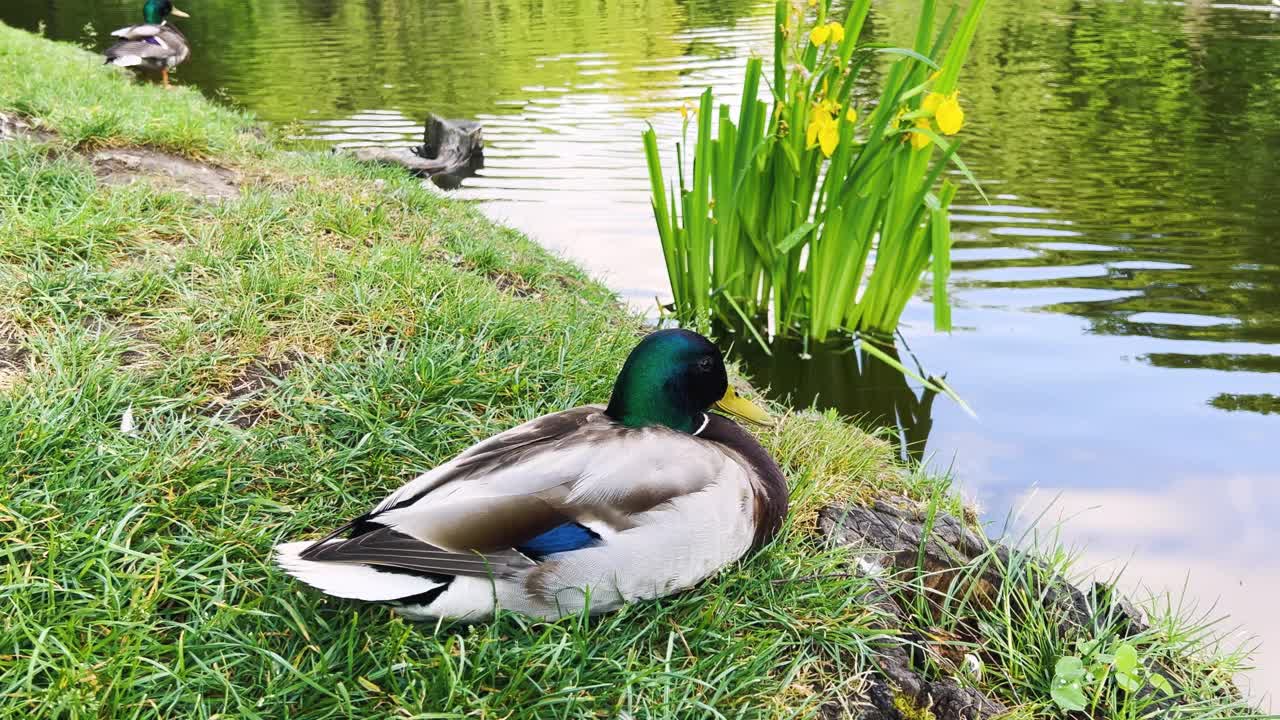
[828, 138]
[824, 127]
[920, 141]
[945, 110]
[851, 116]
[811, 132]
[832, 32]
[949, 115]
[818, 123]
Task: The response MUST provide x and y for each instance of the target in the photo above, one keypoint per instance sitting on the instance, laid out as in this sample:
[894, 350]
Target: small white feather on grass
[127, 425]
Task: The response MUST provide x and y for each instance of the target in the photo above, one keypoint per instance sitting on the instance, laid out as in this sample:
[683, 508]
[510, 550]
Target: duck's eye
[705, 363]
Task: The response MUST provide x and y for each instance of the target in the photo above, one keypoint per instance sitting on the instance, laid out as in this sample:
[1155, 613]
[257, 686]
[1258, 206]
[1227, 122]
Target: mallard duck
[155, 45]
[587, 508]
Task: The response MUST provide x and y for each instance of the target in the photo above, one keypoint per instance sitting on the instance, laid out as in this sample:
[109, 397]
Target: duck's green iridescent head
[672, 378]
[155, 11]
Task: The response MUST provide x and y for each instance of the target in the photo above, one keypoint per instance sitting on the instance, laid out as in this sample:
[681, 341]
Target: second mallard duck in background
[155, 45]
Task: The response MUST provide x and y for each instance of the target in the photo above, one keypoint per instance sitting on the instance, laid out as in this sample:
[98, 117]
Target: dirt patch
[139, 349]
[506, 281]
[511, 283]
[13, 358]
[243, 405]
[122, 166]
[151, 252]
[517, 285]
[142, 351]
[13, 126]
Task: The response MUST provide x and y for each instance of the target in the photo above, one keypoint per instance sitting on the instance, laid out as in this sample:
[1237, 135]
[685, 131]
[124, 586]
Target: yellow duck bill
[740, 407]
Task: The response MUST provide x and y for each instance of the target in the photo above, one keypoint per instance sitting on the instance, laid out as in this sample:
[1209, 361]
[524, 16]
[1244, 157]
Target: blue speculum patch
[570, 536]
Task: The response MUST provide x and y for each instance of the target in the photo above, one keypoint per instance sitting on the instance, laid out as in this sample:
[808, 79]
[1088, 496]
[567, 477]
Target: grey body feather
[138, 32]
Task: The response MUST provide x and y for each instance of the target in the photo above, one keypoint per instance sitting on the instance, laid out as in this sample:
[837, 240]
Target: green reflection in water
[1144, 128]
[1264, 403]
[289, 60]
[1242, 362]
[837, 376]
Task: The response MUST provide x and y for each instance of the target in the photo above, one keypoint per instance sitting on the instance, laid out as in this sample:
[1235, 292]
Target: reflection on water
[1212, 531]
[1117, 301]
[842, 377]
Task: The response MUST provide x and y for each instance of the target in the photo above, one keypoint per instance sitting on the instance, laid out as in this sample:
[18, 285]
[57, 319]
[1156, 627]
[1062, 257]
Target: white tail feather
[357, 582]
[125, 61]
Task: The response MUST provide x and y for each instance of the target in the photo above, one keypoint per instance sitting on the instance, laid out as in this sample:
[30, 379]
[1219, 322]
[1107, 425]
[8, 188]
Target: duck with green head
[587, 508]
[155, 45]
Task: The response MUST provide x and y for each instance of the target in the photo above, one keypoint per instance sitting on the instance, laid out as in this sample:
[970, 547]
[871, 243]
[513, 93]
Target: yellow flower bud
[837, 32]
[851, 115]
[819, 34]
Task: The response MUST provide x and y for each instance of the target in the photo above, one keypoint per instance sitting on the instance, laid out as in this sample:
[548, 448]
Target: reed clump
[817, 210]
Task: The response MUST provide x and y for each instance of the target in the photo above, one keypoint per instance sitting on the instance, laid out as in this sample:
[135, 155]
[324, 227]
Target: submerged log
[451, 151]
[894, 536]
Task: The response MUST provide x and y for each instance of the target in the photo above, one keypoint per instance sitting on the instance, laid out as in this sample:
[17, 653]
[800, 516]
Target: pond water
[1117, 304]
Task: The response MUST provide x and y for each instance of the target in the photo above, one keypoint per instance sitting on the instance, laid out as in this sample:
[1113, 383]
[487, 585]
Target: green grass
[134, 568]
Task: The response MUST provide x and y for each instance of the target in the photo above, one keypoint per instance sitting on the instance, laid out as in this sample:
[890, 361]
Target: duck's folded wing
[576, 469]
[137, 32]
[520, 446]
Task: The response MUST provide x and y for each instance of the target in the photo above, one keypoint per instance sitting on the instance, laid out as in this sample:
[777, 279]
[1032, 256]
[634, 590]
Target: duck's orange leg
[164, 75]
